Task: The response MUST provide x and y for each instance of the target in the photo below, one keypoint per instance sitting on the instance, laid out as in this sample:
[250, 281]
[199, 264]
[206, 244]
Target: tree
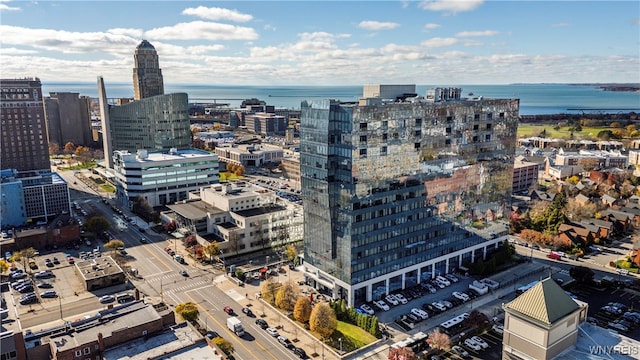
[170, 226]
[402, 353]
[54, 149]
[4, 266]
[114, 244]
[188, 311]
[83, 154]
[143, 208]
[302, 309]
[25, 255]
[69, 148]
[476, 319]
[97, 224]
[291, 252]
[323, 320]
[268, 290]
[581, 274]
[439, 340]
[212, 250]
[234, 240]
[225, 345]
[239, 171]
[286, 296]
[190, 241]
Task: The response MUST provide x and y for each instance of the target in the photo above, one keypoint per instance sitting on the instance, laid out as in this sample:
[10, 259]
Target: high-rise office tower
[147, 75]
[68, 118]
[398, 188]
[24, 144]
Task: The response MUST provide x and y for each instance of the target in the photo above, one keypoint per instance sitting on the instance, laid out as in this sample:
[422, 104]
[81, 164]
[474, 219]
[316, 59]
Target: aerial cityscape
[208, 181]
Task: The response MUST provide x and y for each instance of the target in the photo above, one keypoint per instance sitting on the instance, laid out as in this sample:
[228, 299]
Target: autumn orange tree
[438, 340]
[302, 309]
[322, 320]
[402, 353]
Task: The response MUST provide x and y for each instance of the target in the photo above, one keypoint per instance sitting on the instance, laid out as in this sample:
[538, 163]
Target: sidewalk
[286, 327]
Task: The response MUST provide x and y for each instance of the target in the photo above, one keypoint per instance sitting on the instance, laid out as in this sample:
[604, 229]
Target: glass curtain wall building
[397, 191]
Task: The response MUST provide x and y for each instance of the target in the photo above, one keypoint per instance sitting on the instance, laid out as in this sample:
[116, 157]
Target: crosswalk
[189, 285]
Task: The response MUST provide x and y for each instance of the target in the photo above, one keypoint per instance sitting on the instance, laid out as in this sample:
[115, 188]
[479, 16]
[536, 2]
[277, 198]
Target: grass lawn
[108, 188]
[527, 130]
[224, 176]
[352, 337]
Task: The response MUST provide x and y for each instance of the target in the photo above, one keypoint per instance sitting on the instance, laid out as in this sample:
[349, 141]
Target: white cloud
[430, 26]
[135, 33]
[5, 7]
[67, 41]
[477, 33]
[377, 25]
[215, 13]
[15, 51]
[439, 42]
[201, 30]
[450, 6]
[269, 27]
[556, 25]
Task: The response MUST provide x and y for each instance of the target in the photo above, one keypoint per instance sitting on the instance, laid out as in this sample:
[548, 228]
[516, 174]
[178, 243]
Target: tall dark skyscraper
[24, 144]
[398, 189]
[147, 75]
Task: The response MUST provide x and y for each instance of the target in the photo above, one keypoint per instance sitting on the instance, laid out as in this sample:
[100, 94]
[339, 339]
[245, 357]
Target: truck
[234, 324]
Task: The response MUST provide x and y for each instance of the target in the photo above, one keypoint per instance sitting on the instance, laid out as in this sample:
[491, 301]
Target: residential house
[574, 234]
[604, 227]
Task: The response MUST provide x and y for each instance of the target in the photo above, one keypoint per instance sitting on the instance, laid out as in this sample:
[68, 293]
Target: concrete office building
[391, 187]
[147, 75]
[24, 131]
[31, 197]
[68, 119]
[162, 177]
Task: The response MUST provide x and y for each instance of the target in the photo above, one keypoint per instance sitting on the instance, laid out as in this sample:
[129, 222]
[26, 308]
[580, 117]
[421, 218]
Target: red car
[228, 310]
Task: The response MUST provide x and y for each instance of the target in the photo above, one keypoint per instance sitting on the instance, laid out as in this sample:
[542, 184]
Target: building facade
[24, 131]
[249, 155]
[68, 119]
[162, 177]
[391, 189]
[242, 217]
[31, 197]
[147, 75]
[157, 123]
[525, 175]
[541, 323]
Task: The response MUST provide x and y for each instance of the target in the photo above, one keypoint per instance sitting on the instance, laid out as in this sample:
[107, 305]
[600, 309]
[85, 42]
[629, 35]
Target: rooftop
[194, 210]
[546, 302]
[98, 267]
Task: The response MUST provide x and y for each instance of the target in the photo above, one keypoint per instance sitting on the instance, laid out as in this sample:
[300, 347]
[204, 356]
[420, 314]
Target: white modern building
[249, 155]
[162, 177]
[241, 216]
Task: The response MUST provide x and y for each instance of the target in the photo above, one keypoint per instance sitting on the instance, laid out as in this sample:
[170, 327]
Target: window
[363, 152]
[418, 133]
[487, 137]
[363, 126]
[384, 137]
[87, 350]
[383, 150]
[488, 126]
[489, 116]
[416, 145]
[476, 117]
[78, 353]
[363, 139]
[476, 127]
[418, 122]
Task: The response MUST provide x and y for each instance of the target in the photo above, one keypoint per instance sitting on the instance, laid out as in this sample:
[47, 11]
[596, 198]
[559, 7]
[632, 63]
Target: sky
[325, 43]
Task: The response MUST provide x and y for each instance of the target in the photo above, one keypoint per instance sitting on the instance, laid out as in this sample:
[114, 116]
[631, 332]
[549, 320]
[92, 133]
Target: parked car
[48, 294]
[429, 288]
[263, 324]
[459, 351]
[228, 310]
[452, 278]
[273, 332]
[247, 311]
[367, 309]
[421, 313]
[472, 345]
[391, 299]
[300, 353]
[285, 342]
[498, 328]
[461, 296]
[439, 306]
[380, 304]
[44, 285]
[56, 261]
[401, 298]
[18, 275]
[107, 299]
[43, 274]
[480, 341]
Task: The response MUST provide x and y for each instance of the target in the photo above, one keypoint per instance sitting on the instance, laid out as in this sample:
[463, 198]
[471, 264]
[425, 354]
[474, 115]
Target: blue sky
[325, 42]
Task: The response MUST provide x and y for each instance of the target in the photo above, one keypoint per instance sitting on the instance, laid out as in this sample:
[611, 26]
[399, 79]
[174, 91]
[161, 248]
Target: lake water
[535, 99]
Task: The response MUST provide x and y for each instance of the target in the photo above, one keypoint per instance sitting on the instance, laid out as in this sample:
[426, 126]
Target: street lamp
[340, 341]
